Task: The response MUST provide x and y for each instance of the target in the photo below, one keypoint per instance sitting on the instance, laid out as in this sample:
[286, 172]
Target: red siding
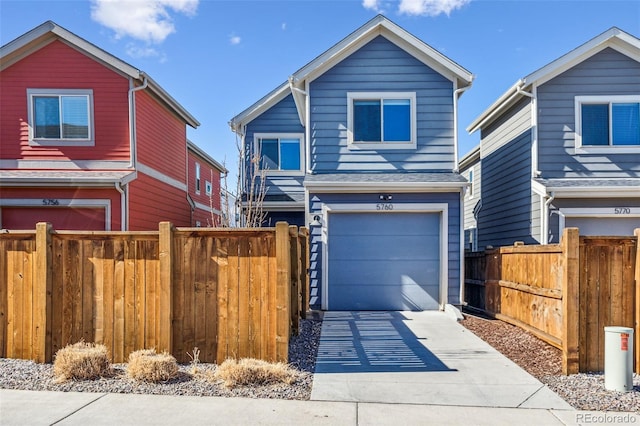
[58, 66]
[152, 201]
[62, 218]
[207, 173]
[161, 138]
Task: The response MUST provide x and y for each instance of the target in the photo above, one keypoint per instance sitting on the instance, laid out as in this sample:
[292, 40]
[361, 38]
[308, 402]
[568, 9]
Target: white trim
[382, 145]
[470, 189]
[161, 177]
[90, 140]
[461, 254]
[283, 206]
[441, 208]
[64, 164]
[602, 149]
[609, 212]
[299, 136]
[198, 181]
[201, 206]
[62, 203]
[351, 187]
[595, 192]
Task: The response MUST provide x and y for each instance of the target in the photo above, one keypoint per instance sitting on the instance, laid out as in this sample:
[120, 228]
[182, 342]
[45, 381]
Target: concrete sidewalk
[73, 408]
[419, 358]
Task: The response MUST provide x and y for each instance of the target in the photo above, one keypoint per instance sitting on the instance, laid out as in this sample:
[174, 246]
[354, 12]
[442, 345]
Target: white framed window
[197, 178]
[470, 188]
[60, 117]
[208, 188]
[381, 120]
[280, 153]
[606, 124]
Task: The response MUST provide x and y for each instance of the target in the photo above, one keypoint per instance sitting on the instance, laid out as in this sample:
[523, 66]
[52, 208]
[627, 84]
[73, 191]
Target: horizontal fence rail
[563, 293]
[231, 293]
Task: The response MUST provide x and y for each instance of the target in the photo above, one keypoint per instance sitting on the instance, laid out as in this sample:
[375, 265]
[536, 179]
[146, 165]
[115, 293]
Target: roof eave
[385, 186]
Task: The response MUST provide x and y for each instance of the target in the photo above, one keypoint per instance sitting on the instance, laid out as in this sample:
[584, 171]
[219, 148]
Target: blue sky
[217, 57]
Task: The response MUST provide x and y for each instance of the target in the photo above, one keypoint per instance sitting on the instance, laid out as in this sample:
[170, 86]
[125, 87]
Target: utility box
[618, 359]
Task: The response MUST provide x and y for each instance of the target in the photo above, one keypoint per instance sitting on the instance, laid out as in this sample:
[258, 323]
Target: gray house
[561, 148]
[360, 144]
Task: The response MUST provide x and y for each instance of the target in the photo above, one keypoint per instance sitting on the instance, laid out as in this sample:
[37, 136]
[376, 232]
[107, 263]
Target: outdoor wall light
[316, 221]
[386, 197]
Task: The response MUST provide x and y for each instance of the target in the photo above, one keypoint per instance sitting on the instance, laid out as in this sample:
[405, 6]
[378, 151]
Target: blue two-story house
[561, 148]
[360, 144]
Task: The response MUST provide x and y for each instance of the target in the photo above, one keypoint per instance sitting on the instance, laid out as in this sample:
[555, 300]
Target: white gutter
[132, 119]
[456, 94]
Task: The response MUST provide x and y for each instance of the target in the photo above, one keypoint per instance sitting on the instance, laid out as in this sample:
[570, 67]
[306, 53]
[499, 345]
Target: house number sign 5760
[384, 206]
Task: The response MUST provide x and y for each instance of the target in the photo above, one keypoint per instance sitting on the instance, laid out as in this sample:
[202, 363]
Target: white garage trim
[373, 208]
[61, 202]
[604, 212]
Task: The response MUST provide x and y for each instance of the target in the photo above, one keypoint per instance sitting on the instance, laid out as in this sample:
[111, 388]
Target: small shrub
[81, 361]
[149, 366]
[195, 360]
[249, 371]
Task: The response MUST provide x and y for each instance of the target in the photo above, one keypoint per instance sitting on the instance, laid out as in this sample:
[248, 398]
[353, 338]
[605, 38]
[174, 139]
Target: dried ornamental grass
[149, 366]
[81, 361]
[250, 371]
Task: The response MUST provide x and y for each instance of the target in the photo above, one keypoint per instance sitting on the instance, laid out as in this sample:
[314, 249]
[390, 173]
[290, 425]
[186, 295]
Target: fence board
[222, 252]
[244, 297]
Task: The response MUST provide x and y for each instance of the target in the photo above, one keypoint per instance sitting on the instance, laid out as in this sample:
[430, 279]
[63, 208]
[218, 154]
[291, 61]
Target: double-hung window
[280, 153]
[60, 117]
[608, 123]
[381, 120]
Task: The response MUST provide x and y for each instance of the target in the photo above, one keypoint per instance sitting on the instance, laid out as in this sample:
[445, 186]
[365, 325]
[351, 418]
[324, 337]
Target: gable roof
[613, 38]
[200, 152]
[377, 26]
[49, 31]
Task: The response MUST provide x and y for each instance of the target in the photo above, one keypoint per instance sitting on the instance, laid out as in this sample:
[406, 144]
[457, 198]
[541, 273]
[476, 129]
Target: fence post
[283, 291]
[165, 257]
[42, 287]
[294, 249]
[304, 273]
[570, 300]
[637, 304]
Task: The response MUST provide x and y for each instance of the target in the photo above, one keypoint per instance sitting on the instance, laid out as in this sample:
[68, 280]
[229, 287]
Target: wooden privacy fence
[232, 293]
[563, 293]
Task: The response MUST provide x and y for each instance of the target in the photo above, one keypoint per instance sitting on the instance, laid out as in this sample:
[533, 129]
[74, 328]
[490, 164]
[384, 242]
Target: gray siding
[606, 73]
[509, 126]
[281, 118]
[470, 202]
[381, 66]
[506, 214]
[316, 202]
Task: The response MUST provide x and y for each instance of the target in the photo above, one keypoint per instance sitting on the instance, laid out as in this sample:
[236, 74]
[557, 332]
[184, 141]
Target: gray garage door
[384, 261]
[614, 226]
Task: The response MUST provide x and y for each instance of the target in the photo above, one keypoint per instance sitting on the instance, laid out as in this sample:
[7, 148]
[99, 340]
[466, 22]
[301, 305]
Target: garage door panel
[383, 248]
[62, 218]
[392, 298]
[597, 226]
[377, 272]
[389, 224]
[384, 261]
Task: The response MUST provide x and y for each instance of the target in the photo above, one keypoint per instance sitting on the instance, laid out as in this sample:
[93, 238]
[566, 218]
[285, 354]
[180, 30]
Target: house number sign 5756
[50, 202]
[384, 206]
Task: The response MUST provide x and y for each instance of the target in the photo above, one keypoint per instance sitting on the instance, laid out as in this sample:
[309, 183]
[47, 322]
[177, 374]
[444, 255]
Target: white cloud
[146, 20]
[429, 7]
[284, 26]
[144, 52]
[372, 4]
[234, 39]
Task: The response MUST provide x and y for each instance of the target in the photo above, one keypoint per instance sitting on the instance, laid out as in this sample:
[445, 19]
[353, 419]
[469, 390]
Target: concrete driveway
[419, 358]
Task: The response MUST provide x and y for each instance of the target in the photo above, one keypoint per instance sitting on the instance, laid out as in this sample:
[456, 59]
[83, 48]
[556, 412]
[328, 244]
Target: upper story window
[208, 188]
[381, 120]
[197, 178]
[60, 117]
[606, 124]
[280, 152]
[470, 189]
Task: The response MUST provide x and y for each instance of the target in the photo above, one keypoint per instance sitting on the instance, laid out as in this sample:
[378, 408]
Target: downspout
[546, 217]
[123, 206]
[456, 94]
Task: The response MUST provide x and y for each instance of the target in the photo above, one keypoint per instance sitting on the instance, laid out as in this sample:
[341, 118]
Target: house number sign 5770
[384, 206]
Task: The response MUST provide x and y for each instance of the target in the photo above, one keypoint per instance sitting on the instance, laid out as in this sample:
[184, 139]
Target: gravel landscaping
[543, 361]
[303, 349]
[582, 391]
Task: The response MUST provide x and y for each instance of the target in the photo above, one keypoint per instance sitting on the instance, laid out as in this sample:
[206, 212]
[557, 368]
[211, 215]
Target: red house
[87, 141]
[204, 187]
